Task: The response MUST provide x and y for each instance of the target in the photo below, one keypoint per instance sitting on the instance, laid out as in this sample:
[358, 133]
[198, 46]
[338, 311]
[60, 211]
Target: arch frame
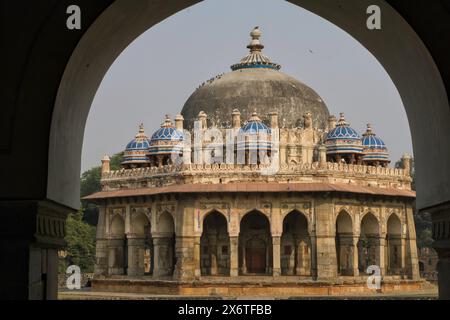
[352, 220]
[203, 214]
[377, 218]
[284, 215]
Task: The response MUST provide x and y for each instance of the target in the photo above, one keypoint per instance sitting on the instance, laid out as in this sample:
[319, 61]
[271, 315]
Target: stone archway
[394, 246]
[109, 27]
[164, 246]
[255, 244]
[369, 243]
[140, 245]
[397, 47]
[346, 250]
[215, 245]
[295, 245]
[117, 254]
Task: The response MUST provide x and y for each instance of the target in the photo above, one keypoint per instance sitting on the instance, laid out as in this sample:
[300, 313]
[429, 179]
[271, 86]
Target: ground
[86, 294]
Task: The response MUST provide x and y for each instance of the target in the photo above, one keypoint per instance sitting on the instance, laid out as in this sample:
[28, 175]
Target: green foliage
[80, 226]
[90, 183]
[423, 223]
[80, 243]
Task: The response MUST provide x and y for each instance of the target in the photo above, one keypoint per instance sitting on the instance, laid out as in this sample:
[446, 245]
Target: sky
[157, 72]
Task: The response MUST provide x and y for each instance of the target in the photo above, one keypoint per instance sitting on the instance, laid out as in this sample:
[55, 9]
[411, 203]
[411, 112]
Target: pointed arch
[255, 244]
[369, 242]
[345, 249]
[139, 223]
[295, 245]
[117, 227]
[394, 245]
[164, 245]
[215, 245]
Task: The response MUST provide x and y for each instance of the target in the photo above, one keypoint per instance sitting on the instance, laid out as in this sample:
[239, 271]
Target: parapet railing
[307, 168]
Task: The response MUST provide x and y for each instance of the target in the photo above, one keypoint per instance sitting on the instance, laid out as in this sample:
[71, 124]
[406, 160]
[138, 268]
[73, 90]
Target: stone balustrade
[295, 169]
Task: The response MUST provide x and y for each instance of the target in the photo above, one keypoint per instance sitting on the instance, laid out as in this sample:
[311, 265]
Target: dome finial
[255, 44]
[342, 121]
[141, 133]
[369, 131]
[255, 59]
[167, 122]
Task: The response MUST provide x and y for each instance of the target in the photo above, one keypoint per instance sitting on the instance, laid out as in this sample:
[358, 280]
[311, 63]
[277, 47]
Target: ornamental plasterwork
[302, 206]
[205, 208]
[117, 211]
[161, 208]
[375, 210]
[266, 207]
[147, 211]
[351, 209]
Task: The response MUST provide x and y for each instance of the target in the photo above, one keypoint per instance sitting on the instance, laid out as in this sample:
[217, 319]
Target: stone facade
[233, 234]
[234, 199]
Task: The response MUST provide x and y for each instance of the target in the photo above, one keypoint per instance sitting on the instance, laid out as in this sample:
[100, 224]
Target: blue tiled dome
[136, 149]
[343, 131]
[371, 141]
[259, 133]
[343, 139]
[374, 147]
[167, 133]
[166, 140]
[137, 144]
[255, 126]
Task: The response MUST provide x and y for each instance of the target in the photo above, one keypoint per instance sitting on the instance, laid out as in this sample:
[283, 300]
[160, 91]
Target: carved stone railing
[205, 169]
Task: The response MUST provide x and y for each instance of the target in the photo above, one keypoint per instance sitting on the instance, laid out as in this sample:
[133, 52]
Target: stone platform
[256, 286]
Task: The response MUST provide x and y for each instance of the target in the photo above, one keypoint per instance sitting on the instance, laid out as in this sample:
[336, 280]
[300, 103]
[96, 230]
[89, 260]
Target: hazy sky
[156, 74]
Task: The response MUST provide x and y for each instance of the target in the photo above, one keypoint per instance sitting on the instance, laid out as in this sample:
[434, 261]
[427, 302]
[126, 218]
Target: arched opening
[255, 244]
[394, 246]
[408, 93]
[345, 248]
[215, 245]
[117, 255]
[140, 246]
[164, 246]
[295, 245]
[369, 243]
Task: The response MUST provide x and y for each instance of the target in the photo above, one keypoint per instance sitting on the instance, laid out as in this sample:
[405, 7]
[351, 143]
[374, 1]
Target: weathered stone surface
[264, 90]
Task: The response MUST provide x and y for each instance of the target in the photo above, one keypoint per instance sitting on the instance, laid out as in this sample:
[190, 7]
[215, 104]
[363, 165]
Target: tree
[90, 183]
[80, 243]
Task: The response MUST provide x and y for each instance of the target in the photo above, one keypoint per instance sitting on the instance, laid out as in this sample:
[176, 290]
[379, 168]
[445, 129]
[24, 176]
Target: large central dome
[255, 84]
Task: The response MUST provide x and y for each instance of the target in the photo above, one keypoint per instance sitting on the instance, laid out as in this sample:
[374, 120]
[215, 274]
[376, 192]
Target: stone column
[31, 232]
[163, 256]
[314, 255]
[234, 256]
[355, 256]
[411, 247]
[283, 155]
[244, 263]
[212, 242]
[298, 267]
[325, 239]
[276, 248]
[101, 244]
[184, 252]
[381, 255]
[197, 257]
[116, 256]
[136, 247]
[403, 253]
